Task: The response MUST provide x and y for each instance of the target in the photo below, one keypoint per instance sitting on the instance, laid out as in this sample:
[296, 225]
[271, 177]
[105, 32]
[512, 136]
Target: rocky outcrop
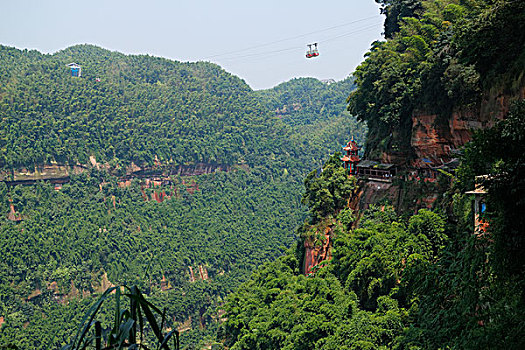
[288, 109]
[201, 273]
[135, 171]
[13, 214]
[407, 195]
[317, 248]
[59, 174]
[185, 326]
[53, 173]
[372, 192]
[62, 294]
[103, 284]
[433, 142]
[434, 138]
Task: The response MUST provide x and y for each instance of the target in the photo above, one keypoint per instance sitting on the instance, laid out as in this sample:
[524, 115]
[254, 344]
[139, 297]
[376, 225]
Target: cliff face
[434, 137]
[135, 171]
[318, 246]
[434, 142]
[54, 173]
[57, 173]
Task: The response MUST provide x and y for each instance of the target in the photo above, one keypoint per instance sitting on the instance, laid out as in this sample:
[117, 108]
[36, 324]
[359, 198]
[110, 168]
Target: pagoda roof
[351, 146]
[352, 158]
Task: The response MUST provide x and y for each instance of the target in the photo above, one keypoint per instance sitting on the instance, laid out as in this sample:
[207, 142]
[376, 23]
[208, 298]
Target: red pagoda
[351, 158]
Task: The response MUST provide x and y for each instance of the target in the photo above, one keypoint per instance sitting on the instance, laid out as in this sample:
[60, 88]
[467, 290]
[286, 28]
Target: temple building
[351, 158]
[375, 170]
[366, 169]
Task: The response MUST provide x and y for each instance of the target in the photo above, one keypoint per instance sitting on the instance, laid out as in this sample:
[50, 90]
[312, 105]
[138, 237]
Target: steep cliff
[435, 137]
[445, 71]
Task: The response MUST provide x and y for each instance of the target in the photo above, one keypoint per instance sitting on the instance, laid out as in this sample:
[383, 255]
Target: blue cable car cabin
[76, 70]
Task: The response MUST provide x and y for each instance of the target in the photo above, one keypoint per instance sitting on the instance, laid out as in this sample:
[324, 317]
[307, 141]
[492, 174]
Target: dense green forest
[142, 107]
[426, 280]
[305, 101]
[96, 230]
[138, 108]
[440, 56]
[75, 236]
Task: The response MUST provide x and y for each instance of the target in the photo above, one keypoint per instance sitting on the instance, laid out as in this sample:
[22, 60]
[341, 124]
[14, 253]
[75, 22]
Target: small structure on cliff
[351, 158]
[480, 207]
[376, 170]
[365, 168]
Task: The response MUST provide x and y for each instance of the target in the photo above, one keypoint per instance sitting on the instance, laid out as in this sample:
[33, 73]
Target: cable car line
[290, 38]
[268, 53]
[348, 34]
[312, 53]
[261, 54]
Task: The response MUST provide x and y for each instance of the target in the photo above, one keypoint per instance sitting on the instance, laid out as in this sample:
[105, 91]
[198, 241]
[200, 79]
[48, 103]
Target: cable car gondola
[312, 52]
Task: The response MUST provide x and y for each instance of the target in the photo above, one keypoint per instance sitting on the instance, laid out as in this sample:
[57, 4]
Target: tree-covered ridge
[316, 113]
[358, 301]
[438, 56]
[98, 229]
[136, 108]
[70, 239]
[306, 101]
[142, 107]
[428, 281]
[431, 280]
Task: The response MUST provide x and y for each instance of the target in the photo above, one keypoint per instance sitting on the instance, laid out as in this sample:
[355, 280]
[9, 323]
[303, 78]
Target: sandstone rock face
[59, 174]
[435, 142]
[50, 172]
[135, 171]
[200, 169]
[316, 251]
[434, 138]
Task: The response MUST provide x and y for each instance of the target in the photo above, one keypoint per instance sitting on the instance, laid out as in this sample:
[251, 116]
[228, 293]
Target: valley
[106, 185]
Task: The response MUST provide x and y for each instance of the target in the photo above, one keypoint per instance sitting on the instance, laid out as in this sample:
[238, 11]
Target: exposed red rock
[13, 215]
[53, 173]
[164, 284]
[104, 284]
[202, 273]
[316, 251]
[434, 137]
[34, 294]
[185, 326]
[53, 286]
[192, 276]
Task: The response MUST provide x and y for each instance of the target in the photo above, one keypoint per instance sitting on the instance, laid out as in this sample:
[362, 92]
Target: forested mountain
[432, 280]
[186, 241]
[450, 277]
[142, 107]
[304, 101]
[458, 63]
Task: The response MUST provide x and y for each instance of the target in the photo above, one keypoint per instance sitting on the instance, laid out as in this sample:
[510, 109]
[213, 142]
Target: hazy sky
[262, 42]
